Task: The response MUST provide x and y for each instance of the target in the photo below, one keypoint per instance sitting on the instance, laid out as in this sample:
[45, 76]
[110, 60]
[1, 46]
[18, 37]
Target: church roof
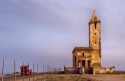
[81, 48]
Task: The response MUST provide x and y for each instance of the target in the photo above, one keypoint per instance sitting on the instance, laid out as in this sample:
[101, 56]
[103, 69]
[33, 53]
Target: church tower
[95, 31]
[95, 41]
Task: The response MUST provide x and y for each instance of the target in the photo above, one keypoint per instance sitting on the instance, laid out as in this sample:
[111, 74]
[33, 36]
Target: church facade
[89, 58]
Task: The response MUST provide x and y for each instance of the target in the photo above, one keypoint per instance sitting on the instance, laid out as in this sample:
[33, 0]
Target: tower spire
[94, 13]
[94, 18]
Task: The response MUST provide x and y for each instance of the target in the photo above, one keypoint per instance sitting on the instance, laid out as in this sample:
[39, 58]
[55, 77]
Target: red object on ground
[25, 71]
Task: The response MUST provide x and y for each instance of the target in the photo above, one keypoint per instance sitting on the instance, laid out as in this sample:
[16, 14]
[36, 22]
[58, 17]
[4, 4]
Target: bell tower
[94, 32]
[95, 41]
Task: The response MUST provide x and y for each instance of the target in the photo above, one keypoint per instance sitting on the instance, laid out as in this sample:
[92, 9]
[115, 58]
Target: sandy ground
[109, 77]
[72, 77]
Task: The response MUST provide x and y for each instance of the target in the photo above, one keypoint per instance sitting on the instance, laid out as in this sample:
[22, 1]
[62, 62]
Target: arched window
[83, 54]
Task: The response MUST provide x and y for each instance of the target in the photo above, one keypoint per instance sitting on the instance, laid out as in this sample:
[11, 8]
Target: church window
[89, 63]
[75, 58]
[95, 33]
[95, 25]
[83, 54]
[95, 42]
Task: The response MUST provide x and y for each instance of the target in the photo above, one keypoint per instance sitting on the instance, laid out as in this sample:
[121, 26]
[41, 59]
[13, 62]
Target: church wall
[80, 56]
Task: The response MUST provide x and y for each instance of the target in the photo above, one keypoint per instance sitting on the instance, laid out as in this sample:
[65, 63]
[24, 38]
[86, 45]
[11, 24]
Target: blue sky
[46, 31]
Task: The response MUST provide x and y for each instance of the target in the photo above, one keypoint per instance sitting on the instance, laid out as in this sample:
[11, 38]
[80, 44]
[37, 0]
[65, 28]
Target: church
[89, 58]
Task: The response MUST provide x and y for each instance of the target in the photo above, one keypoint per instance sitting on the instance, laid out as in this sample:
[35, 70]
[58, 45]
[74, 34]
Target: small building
[72, 70]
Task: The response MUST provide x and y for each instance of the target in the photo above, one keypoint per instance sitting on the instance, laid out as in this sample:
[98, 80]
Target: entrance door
[83, 63]
[89, 63]
[90, 69]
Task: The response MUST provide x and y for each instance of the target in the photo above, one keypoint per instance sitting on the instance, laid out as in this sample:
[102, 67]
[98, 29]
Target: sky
[46, 31]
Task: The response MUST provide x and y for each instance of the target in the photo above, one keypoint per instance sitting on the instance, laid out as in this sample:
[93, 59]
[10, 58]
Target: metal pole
[28, 73]
[43, 68]
[33, 72]
[14, 69]
[3, 70]
[48, 68]
[37, 68]
[37, 72]
[21, 74]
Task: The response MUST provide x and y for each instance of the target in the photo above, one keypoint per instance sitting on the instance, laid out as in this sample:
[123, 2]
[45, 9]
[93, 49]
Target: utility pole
[3, 70]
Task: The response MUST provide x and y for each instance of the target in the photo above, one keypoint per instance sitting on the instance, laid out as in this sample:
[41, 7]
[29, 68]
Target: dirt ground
[72, 77]
[109, 77]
